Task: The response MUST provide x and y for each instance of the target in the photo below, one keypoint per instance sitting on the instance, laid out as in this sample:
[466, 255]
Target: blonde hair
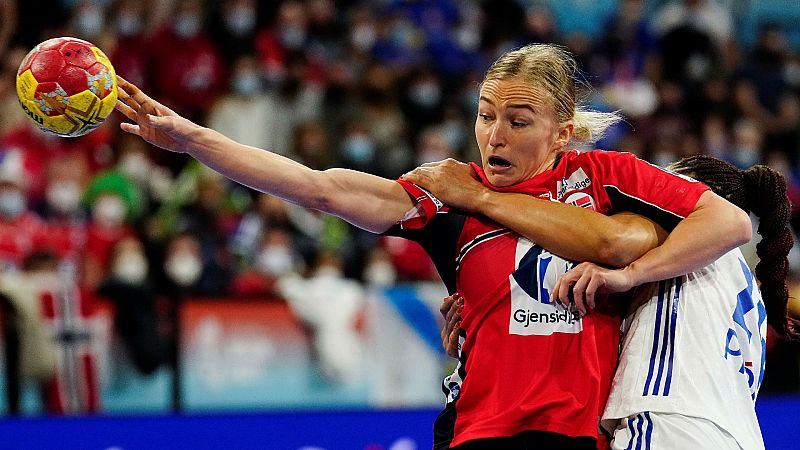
[554, 70]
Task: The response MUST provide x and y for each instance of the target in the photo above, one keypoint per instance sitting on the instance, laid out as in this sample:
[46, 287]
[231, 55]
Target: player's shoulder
[597, 157]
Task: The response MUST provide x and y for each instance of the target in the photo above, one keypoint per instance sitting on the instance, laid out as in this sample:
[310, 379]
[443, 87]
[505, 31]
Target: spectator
[62, 339]
[133, 296]
[114, 202]
[190, 72]
[329, 304]
[131, 52]
[21, 230]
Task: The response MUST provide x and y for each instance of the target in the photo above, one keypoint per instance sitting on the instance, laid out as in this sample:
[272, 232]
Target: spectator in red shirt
[187, 69]
[21, 230]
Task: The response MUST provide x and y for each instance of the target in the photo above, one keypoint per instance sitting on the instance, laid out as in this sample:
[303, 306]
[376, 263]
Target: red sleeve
[425, 206]
[638, 186]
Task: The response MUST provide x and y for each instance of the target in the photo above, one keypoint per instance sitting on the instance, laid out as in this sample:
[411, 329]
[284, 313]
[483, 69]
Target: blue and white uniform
[692, 362]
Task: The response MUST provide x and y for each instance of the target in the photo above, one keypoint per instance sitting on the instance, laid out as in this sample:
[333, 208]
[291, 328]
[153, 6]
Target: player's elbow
[620, 248]
[628, 237]
[741, 229]
[321, 195]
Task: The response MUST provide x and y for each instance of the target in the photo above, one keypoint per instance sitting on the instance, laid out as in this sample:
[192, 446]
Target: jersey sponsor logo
[745, 342]
[533, 311]
[575, 182]
[581, 199]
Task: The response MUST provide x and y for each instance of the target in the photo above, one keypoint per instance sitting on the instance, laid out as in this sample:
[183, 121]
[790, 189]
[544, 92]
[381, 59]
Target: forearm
[367, 201]
[256, 168]
[572, 232]
[714, 228]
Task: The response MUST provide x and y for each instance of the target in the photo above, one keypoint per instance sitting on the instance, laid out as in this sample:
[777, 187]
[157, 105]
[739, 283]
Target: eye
[518, 124]
[485, 117]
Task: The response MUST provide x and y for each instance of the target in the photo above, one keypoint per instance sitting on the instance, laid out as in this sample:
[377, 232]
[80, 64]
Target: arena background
[233, 337]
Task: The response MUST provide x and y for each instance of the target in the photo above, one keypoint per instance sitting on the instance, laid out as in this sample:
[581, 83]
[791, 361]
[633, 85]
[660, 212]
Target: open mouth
[497, 162]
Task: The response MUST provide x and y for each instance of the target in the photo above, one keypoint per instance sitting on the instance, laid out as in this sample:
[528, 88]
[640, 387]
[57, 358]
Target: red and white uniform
[527, 363]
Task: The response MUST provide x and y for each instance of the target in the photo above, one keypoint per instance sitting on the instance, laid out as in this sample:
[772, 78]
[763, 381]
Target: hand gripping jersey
[527, 363]
[695, 345]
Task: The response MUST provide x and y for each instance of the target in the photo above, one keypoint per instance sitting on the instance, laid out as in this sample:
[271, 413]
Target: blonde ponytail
[591, 126]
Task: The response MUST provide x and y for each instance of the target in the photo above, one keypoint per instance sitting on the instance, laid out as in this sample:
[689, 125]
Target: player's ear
[564, 134]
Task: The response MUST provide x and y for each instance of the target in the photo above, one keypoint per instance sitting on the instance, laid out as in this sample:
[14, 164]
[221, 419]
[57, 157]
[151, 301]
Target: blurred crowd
[376, 86]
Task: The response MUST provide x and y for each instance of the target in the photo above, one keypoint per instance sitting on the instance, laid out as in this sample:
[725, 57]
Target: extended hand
[451, 311]
[451, 181]
[153, 121]
[588, 279]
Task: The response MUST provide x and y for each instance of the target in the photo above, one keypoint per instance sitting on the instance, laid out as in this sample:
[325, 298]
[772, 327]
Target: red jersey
[527, 363]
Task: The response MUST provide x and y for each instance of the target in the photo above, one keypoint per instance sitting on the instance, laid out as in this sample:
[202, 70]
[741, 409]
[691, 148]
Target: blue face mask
[246, 84]
[12, 203]
[358, 148]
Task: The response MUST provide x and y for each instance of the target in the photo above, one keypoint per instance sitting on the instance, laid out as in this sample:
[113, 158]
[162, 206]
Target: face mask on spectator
[12, 203]
[275, 260]
[363, 37]
[241, 21]
[109, 210]
[358, 148]
[425, 94]
[187, 25]
[183, 268]
[129, 24]
[130, 267]
[246, 84]
[89, 22]
[136, 166]
[63, 196]
[292, 37]
[380, 274]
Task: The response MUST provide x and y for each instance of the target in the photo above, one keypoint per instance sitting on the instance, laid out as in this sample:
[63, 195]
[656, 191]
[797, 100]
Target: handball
[67, 86]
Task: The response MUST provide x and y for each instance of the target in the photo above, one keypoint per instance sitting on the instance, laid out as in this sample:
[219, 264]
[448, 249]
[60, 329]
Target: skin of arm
[366, 201]
[568, 231]
[712, 229]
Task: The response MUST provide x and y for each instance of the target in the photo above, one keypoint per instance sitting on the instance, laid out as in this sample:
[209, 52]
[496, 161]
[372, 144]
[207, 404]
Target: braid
[767, 189]
[762, 191]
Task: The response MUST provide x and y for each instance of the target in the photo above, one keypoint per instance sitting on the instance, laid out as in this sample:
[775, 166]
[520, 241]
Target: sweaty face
[517, 132]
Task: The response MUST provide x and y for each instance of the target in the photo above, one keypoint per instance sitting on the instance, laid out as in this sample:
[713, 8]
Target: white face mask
[135, 165]
[12, 203]
[241, 20]
[89, 22]
[363, 37]
[292, 36]
[130, 267]
[183, 268]
[109, 210]
[275, 260]
[64, 196]
[187, 25]
[426, 94]
[129, 24]
[380, 274]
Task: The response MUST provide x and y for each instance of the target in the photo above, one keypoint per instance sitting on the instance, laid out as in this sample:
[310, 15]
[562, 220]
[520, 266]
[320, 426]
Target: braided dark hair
[762, 191]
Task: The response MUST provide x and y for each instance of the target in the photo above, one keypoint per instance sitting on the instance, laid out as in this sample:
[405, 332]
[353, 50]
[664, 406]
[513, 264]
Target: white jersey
[695, 345]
